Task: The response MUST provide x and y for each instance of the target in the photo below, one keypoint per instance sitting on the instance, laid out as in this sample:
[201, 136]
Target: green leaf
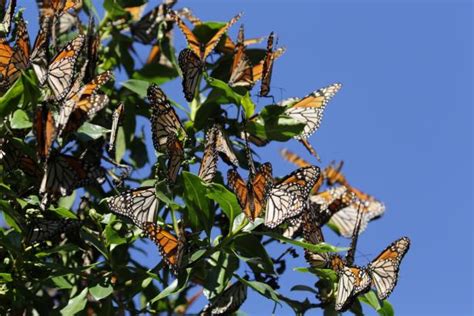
[9, 101]
[175, 287]
[76, 304]
[371, 299]
[222, 268]
[140, 87]
[250, 249]
[67, 203]
[248, 105]
[6, 277]
[387, 309]
[155, 73]
[120, 145]
[114, 10]
[272, 127]
[226, 200]
[262, 288]
[65, 212]
[92, 130]
[61, 282]
[101, 291]
[225, 93]
[198, 206]
[20, 120]
[112, 235]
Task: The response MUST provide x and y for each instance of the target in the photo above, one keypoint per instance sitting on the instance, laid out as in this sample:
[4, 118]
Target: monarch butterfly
[309, 110]
[228, 301]
[83, 103]
[208, 167]
[192, 67]
[40, 54]
[13, 61]
[12, 158]
[344, 220]
[192, 60]
[324, 205]
[267, 68]
[288, 197]
[140, 205]
[165, 121]
[93, 43]
[172, 248]
[353, 280]
[251, 195]
[60, 71]
[202, 50]
[146, 29]
[56, 8]
[5, 25]
[224, 147]
[45, 131]
[384, 269]
[175, 154]
[116, 118]
[166, 129]
[312, 233]
[241, 71]
[64, 173]
[41, 229]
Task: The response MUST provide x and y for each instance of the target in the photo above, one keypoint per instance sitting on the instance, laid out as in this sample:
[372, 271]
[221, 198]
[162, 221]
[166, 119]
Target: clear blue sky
[402, 123]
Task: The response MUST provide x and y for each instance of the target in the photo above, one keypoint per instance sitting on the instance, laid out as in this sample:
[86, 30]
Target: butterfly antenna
[355, 236]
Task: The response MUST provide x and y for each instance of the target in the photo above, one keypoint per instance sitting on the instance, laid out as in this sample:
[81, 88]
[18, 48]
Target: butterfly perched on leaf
[200, 49]
[14, 60]
[385, 267]
[228, 301]
[61, 69]
[267, 67]
[192, 60]
[251, 195]
[82, 102]
[217, 143]
[65, 173]
[288, 197]
[139, 205]
[166, 130]
[171, 247]
[12, 158]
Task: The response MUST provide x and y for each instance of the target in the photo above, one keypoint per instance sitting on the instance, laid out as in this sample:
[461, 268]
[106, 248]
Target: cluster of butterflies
[293, 204]
[71, 96]
[348, 211]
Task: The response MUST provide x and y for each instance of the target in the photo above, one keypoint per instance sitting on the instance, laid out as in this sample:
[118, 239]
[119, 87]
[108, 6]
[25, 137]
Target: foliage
[94, 270]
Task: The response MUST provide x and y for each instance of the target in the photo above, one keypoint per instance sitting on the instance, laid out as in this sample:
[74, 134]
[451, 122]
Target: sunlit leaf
[75, 304]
